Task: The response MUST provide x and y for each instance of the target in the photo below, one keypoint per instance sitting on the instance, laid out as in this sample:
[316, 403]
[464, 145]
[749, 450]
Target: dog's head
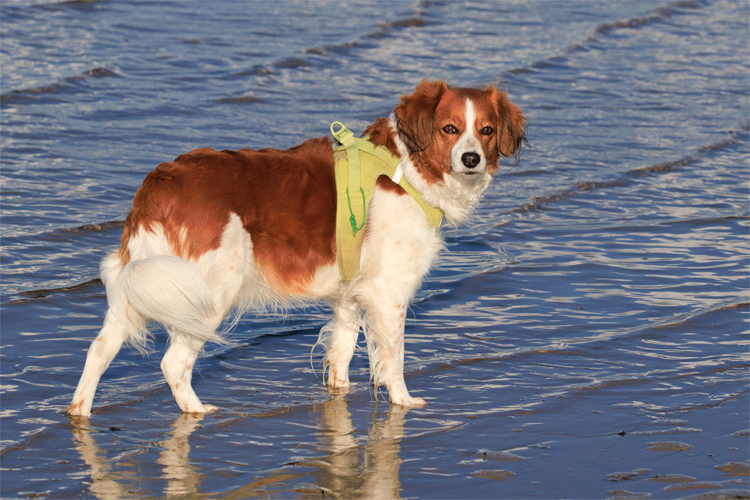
[458, 132]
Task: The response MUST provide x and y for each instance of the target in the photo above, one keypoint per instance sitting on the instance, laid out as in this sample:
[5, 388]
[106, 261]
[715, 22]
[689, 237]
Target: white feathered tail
[165, 289]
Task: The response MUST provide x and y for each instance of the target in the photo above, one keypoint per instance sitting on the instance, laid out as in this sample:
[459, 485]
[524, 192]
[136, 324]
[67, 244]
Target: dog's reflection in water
[182, 478]
[105, 483]
[359, 469]
[119, 477]
[350, 466]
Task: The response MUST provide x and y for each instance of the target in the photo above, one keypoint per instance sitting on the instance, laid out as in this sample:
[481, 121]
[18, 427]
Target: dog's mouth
[470, 174]
[467, 177]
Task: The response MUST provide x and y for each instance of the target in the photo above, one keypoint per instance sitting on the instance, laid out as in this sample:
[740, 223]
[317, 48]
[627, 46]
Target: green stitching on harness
[352, 219]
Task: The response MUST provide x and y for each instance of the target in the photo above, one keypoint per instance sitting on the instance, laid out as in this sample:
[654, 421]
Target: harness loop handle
[343, 135]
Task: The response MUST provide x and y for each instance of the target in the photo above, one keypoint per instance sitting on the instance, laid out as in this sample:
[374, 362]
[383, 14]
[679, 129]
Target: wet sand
[585, 336]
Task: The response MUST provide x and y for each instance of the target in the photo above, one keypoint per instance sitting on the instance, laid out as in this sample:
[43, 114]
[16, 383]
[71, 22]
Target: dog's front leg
[385, 318]
[398, 249]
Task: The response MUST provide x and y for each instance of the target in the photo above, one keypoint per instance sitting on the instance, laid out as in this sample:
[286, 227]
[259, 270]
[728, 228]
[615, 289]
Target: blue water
[584, 336]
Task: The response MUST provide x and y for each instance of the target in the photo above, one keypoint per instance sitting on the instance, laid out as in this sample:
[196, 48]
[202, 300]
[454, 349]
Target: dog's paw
[410, 402]
[77, 410]
[200, 410]
[338, 379]
[417, 402]
[338, 391]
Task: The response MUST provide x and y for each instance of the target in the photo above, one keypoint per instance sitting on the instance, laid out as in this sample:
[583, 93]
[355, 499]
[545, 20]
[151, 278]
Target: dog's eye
[487, 131]
[450, 129]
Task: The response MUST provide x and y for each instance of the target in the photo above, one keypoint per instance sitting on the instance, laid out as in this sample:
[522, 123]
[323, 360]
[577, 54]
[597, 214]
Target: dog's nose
[470, 160]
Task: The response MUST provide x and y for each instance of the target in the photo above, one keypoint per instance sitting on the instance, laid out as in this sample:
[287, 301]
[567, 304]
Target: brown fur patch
[286, 200]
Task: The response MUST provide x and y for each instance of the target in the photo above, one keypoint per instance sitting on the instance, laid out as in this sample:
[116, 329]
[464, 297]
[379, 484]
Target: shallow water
[585, 336]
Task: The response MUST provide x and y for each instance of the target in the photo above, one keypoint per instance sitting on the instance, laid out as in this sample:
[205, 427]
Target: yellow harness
[358, 164]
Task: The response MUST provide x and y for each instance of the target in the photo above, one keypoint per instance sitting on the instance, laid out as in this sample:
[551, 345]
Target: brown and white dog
[216, 230]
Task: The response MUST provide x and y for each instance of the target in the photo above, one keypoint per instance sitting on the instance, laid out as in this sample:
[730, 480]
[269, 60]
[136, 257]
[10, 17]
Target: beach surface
[585, 335]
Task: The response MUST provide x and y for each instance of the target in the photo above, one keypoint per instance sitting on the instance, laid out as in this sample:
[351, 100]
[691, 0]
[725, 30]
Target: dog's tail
[166, 289]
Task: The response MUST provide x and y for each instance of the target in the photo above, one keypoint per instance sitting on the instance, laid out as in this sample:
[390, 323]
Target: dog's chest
[399, 238]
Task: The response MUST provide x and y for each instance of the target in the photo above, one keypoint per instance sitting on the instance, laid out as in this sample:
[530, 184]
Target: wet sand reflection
[348, 468]
[359, 471]
[109, 475]
[182, 477]
[105, 484]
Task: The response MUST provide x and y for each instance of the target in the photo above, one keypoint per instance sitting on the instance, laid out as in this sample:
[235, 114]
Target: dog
[215, 231]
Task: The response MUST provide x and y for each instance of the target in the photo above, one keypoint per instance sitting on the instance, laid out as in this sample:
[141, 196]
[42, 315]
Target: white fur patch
[468, 143]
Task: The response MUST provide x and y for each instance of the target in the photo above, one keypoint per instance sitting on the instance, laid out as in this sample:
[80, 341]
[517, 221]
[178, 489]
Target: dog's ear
[415, 114]
[510, 126]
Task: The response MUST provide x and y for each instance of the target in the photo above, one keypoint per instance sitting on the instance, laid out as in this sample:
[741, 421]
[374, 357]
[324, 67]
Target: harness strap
[354, 192]
[358, 164]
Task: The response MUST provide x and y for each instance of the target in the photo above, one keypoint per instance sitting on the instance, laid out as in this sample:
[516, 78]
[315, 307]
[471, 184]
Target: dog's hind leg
[187, 341]
[120, 324]
[101, 353]
[185, 346]
[177, 366]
